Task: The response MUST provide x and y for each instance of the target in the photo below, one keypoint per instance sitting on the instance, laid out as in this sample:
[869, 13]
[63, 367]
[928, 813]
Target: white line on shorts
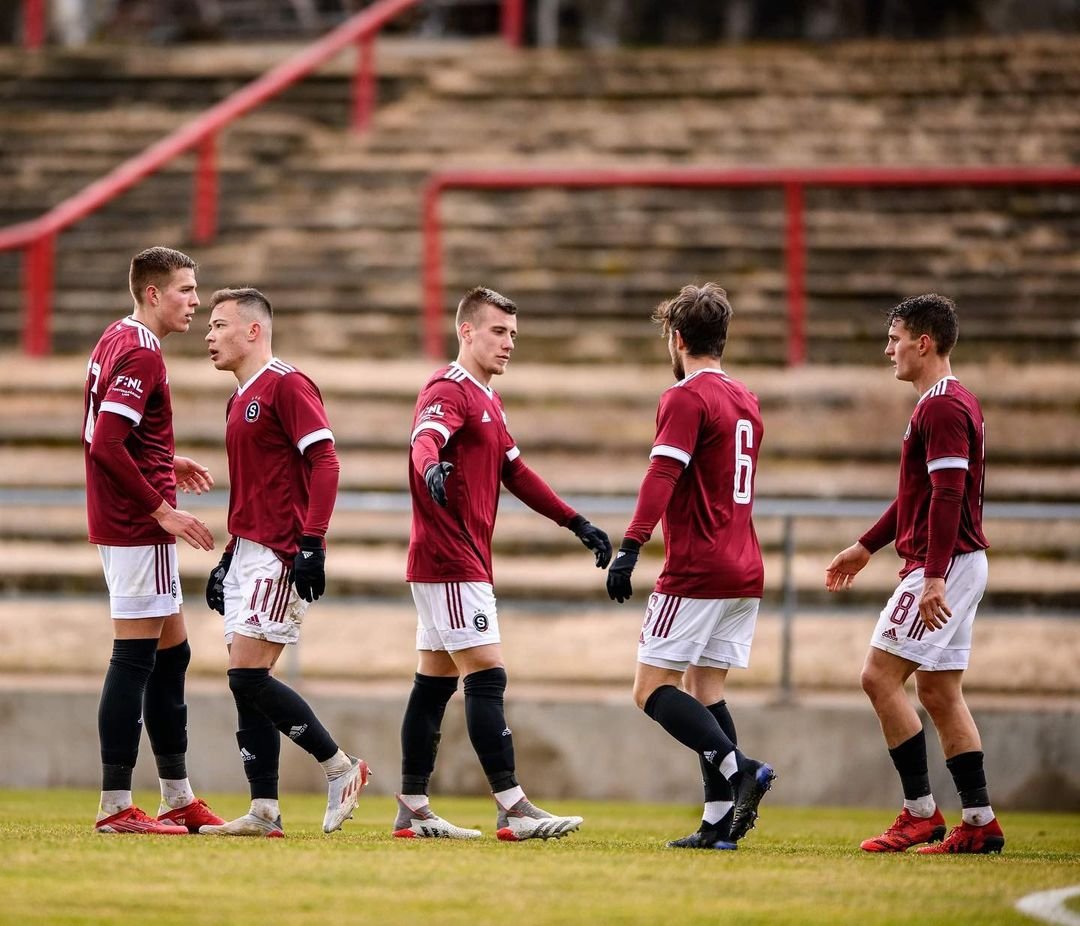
[1049, 906]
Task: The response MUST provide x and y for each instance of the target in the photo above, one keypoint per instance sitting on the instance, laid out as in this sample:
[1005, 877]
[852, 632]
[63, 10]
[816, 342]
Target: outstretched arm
[841, 572]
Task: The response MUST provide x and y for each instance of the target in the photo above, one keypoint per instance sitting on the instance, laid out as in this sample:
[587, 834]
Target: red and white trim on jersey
[513, 453]
[117, 409]
[939, 388]
[933, 466]
[279, 367]
[664, 450]
[313, 438]
[442, 430]
[147, 338]
[458, 374]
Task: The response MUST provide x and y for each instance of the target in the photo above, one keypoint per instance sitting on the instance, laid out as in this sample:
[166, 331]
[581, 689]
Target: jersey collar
[716, 370]
[488, 391]
[133, 322]
[938, 383]
[262, 369]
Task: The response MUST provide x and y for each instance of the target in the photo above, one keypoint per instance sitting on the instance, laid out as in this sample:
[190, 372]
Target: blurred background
[365, 163]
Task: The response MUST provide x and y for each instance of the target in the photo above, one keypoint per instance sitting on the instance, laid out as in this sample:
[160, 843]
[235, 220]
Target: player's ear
[465, 331]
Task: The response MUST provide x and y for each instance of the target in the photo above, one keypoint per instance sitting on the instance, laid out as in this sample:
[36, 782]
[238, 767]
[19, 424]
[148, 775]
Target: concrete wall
[569, 743]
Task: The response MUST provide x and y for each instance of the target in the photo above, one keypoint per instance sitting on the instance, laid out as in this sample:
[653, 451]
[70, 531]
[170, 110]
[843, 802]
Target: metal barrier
[37, 238]
[793, 181]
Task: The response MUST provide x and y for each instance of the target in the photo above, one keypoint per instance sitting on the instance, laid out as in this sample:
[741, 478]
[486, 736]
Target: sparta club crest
[251, 413]
[480, 621]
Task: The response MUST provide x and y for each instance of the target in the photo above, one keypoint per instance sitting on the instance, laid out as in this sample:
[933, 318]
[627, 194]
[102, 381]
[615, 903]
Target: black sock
[692, 724]
[288, 712]
[420, 730]
[260, 749]
[120, 710]
[486, 721]
[970, 779]
[910, 761]
[165, 713]
[715, 783]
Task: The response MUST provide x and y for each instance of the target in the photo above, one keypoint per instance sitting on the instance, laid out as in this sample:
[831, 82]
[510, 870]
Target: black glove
[215, 585]
[435, 477]
[593, 538]
[618, 577]
[309, 569]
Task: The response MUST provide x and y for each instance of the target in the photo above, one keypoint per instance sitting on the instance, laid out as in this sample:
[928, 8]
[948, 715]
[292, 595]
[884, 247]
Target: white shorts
[260, 601]
[452, 616]
[142, 581]
[713, 632]
[901, 631]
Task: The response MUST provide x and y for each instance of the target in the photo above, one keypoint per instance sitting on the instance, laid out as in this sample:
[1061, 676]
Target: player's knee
[246, 684]
[487, 683]
[174, 660]
[872, 684]
[937, 701]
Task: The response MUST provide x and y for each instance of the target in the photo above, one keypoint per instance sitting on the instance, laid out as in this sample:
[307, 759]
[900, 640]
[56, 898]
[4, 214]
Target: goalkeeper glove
[594, 539]
[309, 569]
[215, 585]
[618, 577]
[435, 477]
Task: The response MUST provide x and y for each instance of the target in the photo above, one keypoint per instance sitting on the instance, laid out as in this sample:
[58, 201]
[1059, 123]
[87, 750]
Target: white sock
[336, 766]
[729, 765]
[715, 811]
[923, 807]
[113, 802]
[176, 792]
[414, 801]
[265, 807]
[977, 816]
[507, 799]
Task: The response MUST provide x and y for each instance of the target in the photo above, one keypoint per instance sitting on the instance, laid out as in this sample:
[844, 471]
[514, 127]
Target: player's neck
[473, 369]
[694, 364]
[251, 365]
[147, 320]
[934, 371]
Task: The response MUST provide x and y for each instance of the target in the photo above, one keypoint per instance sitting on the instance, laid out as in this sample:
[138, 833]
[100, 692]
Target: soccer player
[461, 452]
[699, 621]
[925, 628]
[132, 473]
[283, 478]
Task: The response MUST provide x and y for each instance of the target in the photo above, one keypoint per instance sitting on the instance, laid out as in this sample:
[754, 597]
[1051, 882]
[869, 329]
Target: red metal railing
[793, 182]
[37, 238]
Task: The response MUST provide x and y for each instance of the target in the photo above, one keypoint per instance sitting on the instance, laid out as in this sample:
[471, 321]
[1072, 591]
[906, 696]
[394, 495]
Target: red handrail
[793, 181]
[37, 237]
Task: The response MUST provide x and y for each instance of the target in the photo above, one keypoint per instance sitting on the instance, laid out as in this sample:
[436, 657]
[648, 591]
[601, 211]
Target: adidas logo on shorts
[890, 634]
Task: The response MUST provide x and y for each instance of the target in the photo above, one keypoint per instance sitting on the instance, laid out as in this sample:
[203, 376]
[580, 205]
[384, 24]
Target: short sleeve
[442, 411]
[133, 380]
[678, 422]
[300, 409]
[945, 433]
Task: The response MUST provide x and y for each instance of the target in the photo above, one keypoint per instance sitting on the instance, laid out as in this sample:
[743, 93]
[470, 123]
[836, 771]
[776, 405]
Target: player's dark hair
[476, 298]
[932, 315]
[155, 266]
[246, 297]
[701, 315]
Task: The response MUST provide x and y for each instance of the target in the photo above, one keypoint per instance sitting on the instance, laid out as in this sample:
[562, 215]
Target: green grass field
[800, 866]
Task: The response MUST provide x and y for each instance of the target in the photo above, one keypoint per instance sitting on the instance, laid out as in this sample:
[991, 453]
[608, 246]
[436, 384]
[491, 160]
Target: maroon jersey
[453, 544]
[711, 424]
[126, 376]
[269, 422]
[946, 431]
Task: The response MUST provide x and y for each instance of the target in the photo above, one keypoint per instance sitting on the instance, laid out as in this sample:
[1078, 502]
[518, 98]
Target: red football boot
[194, 815]
[907, 831]
[133, 820]
[978, 840]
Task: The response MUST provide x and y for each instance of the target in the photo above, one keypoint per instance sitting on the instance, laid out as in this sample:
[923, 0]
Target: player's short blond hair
[155, 266]
[476, 298]
[247, 298]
